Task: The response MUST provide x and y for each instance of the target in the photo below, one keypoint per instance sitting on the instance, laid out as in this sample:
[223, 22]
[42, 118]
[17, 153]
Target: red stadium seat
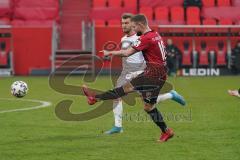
[193, 16]
[115, 3]
[222, 13]
[187, 53]
[5, 51]
[130, 3]
[203, 58]
[5, 8]
[225, 22]
[110, 13]
[221, 52]
[99, 3]
[26, 13]
[5, 21]
[236, 3]
[7, 42]
[237, 22]
[160, 3]
[149, 3]
[99, 22]
[203, 51]
[184, 44]
[209, 21]
[216, 44]
[162, 15]
[34, 4]
[223, 2]
[177, 15]
[3, 58]
[171, 3]
[208, 3]
[114, 22]
[147, 11]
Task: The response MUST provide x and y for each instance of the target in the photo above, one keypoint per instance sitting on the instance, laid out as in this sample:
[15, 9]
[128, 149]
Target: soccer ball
[19, 89]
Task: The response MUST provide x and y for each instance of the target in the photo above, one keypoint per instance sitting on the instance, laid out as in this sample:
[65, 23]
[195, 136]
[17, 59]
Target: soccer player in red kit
[150, 82]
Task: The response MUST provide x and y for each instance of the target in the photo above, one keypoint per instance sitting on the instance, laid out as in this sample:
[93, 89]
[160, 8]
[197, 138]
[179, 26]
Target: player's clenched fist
[106, 53]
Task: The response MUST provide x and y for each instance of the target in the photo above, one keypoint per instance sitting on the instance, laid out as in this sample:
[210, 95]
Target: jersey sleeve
[141, 45]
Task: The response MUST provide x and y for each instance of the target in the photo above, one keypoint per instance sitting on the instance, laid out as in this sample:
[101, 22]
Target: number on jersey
[162, 49]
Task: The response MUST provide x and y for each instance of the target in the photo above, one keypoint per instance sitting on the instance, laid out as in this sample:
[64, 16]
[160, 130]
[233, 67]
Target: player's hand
[106, 53]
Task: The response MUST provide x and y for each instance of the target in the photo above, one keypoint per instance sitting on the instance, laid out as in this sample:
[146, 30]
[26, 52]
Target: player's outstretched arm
[122, 53]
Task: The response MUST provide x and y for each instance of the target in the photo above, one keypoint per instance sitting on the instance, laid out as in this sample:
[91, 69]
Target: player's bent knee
[148, 107]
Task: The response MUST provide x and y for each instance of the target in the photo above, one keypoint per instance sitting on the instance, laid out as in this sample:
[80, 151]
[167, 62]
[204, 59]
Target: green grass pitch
[207, 128]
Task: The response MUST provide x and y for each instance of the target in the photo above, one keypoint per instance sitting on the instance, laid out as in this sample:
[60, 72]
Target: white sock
[118, 111]
[163, 97]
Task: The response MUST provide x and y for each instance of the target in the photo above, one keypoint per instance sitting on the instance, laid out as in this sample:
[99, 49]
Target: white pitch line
[44, 104]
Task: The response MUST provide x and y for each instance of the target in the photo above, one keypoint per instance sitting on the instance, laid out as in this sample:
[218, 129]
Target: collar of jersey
[131, 35]
[147, 32]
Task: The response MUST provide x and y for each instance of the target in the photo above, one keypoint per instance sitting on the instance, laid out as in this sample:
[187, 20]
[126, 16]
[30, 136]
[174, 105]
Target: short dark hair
[139, 18]
[127, 15]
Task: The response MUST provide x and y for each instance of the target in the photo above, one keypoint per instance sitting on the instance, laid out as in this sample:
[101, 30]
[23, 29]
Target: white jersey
[128, 41]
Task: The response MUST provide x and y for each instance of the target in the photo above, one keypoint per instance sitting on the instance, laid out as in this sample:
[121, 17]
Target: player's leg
[108, 95]
[113, 94]
[116, 92]
[118, 108]
[117, 113]
[157, 118]
[173, 95]
[150, 89]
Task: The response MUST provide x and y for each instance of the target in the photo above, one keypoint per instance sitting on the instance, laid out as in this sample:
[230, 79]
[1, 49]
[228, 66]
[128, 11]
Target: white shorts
[129, 72]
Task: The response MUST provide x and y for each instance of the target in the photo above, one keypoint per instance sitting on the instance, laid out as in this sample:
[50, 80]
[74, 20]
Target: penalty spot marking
[43, 104]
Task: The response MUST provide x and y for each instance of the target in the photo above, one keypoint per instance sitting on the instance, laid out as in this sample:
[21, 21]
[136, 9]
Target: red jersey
[152, 47]
[154, 52]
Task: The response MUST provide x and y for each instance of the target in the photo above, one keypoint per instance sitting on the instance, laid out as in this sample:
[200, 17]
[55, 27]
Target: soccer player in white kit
[132, 66]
